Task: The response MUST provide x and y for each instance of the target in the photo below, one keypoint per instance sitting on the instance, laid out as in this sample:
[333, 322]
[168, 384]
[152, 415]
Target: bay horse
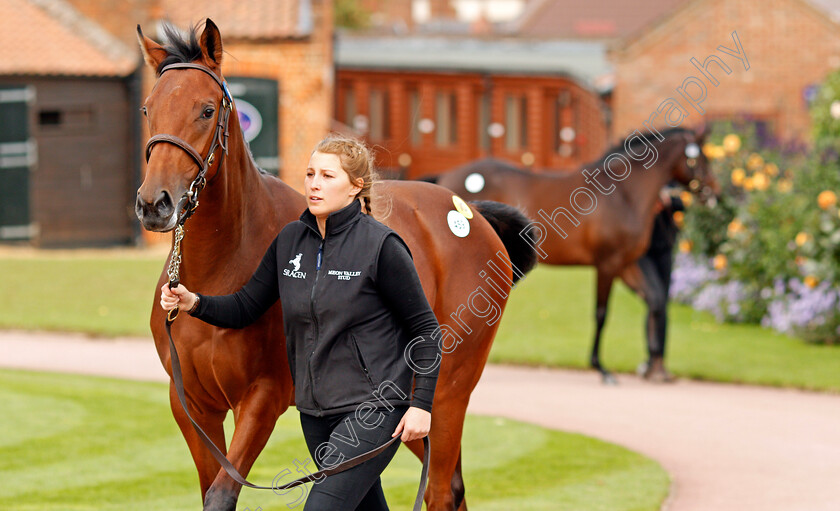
[241, 211]
[594, 218]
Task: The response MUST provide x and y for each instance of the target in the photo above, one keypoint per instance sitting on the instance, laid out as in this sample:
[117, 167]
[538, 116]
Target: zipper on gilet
[315, 322]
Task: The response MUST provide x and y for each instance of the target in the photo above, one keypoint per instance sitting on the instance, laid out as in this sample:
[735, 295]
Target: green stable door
[18, 155]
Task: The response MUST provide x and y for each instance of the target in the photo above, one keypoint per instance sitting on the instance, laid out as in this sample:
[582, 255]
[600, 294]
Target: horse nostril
[165, 202]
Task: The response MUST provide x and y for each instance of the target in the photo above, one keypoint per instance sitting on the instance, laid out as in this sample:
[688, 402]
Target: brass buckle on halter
[172, 314]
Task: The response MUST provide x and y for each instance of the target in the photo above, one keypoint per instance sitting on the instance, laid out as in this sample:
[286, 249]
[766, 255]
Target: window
[483, 121]
[516, 122]
[380, 115]
[446, 113]
[349, 106]
[414, 116]
[564, 130]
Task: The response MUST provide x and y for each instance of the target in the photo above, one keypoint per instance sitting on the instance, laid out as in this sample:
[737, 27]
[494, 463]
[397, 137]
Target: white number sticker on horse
[474, 183]
[458, 224]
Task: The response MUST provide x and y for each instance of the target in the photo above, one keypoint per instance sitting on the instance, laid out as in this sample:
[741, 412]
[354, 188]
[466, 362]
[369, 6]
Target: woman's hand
[178, 297]
[414, 425]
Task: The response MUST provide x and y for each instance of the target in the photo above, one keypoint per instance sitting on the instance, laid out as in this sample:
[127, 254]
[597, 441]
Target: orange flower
[731, 143]
[799, 260]
[771, 170]
[713, 152]
[811, 281]
[826, 199]
[785, 185]
[802, 238]
[686, 197]
[738, 176]
[686, 246]
[679, 218]
[719, 262]
[749, 184]
[760, 181]
[755, 161]
[735, 227]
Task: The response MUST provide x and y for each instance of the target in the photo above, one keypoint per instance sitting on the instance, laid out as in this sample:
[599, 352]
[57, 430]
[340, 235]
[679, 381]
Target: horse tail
[429, 179]
[509, 222]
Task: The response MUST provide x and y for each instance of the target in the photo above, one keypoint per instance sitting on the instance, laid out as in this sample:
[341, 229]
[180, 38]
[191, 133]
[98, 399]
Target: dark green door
[257, 103]
[17, 157]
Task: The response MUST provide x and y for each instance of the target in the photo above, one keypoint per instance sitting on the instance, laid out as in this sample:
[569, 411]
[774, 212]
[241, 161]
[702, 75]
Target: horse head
[187, 118]
[692, 167]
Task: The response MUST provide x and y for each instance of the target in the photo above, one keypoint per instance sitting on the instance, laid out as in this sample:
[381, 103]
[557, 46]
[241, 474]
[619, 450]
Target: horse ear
[701, 131]
[211, 44]
[153, 53]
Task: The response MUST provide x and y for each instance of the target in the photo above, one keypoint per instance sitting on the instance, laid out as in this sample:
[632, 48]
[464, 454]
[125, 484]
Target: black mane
[647, 137]
[180, 49]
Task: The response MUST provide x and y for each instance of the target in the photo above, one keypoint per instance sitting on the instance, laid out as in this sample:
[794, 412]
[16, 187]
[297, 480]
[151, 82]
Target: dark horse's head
[185, 104]
[691, 167]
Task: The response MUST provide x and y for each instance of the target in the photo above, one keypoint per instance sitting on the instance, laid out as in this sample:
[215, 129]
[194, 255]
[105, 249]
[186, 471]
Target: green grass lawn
[548, 321]
[83, 443]
[104, 295]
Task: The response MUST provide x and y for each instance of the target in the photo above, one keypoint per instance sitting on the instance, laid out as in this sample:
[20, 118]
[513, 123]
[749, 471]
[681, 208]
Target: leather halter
[220, 139]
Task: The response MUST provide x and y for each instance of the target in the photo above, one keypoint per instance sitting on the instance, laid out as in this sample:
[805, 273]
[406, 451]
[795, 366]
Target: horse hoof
[608, 379]
[655, 372]
[220, 500]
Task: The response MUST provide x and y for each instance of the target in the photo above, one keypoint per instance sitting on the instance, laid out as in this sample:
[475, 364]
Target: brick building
[68, 160]
[432, 103]
[288, 42]
[605, 20]
[790, 47]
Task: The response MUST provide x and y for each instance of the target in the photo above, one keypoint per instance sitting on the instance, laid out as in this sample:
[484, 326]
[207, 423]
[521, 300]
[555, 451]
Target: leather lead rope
[177, 377]
[220, 138]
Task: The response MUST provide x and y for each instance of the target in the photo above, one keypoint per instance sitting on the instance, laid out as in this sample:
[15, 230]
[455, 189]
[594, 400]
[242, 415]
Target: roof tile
[49, 37]
[251, 19]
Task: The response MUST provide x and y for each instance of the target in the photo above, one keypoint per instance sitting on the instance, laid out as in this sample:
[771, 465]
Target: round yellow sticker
[462, 207]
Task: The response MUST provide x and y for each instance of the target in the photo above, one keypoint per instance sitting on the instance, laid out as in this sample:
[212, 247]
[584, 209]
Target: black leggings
[336, 438]
[656, 269]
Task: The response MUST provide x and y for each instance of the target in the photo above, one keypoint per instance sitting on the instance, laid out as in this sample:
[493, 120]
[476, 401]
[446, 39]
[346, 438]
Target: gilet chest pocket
[361, 359]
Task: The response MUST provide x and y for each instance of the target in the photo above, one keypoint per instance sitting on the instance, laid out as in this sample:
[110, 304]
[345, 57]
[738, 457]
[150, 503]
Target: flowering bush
[769, 252]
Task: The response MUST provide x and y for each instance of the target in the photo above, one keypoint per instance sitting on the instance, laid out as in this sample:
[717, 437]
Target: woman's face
[327, 185]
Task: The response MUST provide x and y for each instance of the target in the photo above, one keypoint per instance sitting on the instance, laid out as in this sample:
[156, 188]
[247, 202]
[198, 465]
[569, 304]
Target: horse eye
[208, 113]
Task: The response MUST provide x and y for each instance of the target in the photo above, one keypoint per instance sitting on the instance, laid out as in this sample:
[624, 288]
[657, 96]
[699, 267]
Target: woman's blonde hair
[356, 159]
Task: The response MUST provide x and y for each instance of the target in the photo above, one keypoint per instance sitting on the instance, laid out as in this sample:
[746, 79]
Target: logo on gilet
[296, 273]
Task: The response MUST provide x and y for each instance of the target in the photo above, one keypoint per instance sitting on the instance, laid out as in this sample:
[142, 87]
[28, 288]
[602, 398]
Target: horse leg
[445, 491]
[643, 278]
[604, 286]
[255, 417]
[656, 296]
[213, 425]
[458, 488]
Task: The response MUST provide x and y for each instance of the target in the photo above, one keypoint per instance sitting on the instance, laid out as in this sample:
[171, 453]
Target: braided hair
[356, 159]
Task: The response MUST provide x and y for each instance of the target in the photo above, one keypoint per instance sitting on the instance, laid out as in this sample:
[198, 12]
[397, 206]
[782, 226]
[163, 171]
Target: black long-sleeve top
[376, 313]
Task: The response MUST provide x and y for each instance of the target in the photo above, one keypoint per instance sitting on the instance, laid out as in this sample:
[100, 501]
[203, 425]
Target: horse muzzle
[157, 215]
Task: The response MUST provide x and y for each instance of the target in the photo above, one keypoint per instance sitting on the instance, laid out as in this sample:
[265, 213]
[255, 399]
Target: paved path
[727, 447]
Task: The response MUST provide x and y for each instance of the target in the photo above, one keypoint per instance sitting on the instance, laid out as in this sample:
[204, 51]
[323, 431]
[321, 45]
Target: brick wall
[789, 45]
[304, 72]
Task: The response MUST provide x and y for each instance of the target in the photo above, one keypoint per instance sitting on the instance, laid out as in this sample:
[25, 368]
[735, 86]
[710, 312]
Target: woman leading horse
[241, 211]
[347, 330]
